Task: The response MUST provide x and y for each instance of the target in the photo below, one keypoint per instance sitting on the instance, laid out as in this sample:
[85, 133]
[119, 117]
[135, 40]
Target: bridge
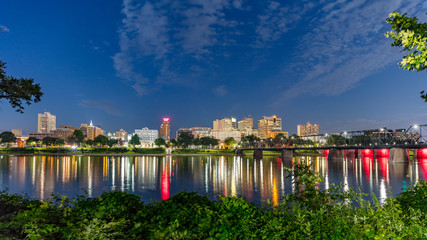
[394, 153]
[380, 143]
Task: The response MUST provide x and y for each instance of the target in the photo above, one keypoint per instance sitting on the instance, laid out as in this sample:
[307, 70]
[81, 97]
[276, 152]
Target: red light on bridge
[368, 153]
[422, 153]
[326, 152]
[383, 153]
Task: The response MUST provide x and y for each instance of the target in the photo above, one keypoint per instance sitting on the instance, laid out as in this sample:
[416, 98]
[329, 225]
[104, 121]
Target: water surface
[155, 178]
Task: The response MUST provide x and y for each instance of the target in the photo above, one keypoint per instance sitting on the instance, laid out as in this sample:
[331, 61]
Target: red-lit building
[165, 129]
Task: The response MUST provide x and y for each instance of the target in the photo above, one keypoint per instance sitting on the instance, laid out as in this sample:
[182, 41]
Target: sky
[126, 64]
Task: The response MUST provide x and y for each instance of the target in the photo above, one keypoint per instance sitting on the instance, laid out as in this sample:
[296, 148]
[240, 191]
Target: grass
[202, 151]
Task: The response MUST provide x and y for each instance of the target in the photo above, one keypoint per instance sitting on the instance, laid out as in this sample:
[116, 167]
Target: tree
[90, 142]
[173, 143]
[32, 141]
[59, 142]
[208, 141]
[280, 135]
[78, 134]
[112, 142]
[48, 141]
[230, 142]
[411, 35]
[185, 139]
[250, 140]
[18, 91]
[101, 140]
[72, 139]
[135, 140]
[160, 142]
[7, 137]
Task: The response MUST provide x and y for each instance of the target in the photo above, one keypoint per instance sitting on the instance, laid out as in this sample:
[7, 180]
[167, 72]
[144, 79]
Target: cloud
[103, 105]
[277, 20]
[220, 90]
[346, 44]
[168, 42]
[4, 29]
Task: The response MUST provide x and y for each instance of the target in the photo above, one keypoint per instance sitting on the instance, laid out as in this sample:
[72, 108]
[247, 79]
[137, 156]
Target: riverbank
[135, 151]
[311, 214]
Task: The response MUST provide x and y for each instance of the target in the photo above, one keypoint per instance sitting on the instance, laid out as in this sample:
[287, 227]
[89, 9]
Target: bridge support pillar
[258, 154]
[286, 153]
[335, 154]
[398, 155]
[239, 152]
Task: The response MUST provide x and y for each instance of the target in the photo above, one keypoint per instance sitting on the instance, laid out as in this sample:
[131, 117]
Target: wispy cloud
[277, 20]
[4, 29]
[103, 105]
[164, 42]
[220, 90]
[346, 44]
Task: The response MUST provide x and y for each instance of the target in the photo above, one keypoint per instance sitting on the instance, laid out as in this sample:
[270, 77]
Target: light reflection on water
[157, 178]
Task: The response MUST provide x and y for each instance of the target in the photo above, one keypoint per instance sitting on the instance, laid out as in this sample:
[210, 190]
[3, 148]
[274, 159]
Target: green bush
[307, 213]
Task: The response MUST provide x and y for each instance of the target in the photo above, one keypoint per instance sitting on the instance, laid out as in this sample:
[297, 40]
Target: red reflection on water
[165, 184]
[423, 166]
[367, 166]
[383, 153]
[422, 153]
[367, 153]
[383, 161]
[279, 163]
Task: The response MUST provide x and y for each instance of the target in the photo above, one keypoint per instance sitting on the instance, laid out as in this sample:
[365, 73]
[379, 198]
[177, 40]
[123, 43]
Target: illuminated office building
[246, 123]
[147, 136]
[46, 123]
[226, 124]
[269, 124]
[91, 131]
[165, 129]
[305, 130]
[122, 134]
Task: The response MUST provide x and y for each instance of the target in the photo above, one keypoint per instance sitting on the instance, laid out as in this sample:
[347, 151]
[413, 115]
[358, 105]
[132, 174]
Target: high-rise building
[122, 134]
[267, 125]
[197, 132]
[305, 130]
[147, 136]
[247, 123]
[183, 130]
[46, 123]
[17, 132]
[91, 131]
[226, 124]
[165, 129]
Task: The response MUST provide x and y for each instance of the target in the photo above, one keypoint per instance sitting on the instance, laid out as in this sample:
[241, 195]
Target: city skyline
[326, 62]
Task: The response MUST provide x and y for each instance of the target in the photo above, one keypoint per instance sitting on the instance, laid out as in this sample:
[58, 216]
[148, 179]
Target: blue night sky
[126, 64]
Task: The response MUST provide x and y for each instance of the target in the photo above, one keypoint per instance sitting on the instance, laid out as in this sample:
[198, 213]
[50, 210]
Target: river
[159, 177]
